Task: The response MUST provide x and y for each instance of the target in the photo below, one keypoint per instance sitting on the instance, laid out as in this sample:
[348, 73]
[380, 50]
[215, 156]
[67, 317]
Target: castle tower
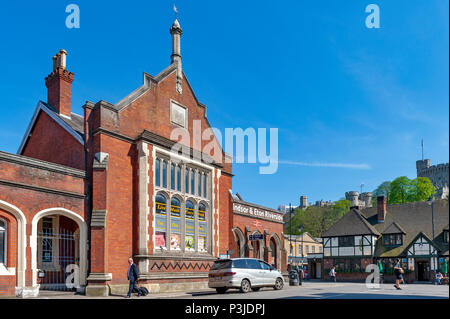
[352, 196]
[422, 165]
[303, 202]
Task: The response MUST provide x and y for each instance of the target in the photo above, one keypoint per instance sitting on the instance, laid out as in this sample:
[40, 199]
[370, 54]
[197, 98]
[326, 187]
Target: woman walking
[398, 272]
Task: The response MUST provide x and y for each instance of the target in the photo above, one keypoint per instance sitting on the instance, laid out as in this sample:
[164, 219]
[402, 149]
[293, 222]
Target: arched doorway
[59, 250]
[258, 247]
[275, 247]
[21, 243]
[240, 241]
[58, 247]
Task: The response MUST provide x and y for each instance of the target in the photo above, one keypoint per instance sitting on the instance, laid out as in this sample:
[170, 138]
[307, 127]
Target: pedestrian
[333, 274]
[133, 276]
[438, 278]
[398, 272]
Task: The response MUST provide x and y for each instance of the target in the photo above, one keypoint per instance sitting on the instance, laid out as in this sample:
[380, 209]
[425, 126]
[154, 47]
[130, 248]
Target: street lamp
[431, 203]
[290, 230]
[300, 228]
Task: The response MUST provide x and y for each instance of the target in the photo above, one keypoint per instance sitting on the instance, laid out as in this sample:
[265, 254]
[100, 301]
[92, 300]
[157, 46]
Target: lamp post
[431, 203]
[300, 228]
[290, 230]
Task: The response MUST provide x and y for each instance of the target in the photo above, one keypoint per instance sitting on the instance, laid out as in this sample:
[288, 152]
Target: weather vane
[175, 10]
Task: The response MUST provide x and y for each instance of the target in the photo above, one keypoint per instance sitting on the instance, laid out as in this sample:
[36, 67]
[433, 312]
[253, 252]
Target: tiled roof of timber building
[352, 223]
[412, 219]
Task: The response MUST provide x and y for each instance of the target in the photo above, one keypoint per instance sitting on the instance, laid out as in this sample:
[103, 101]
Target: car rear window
[240, 263]
[221, 264]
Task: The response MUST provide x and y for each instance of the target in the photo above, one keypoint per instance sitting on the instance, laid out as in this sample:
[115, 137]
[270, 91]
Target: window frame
[5, 241]
[392, 240]
[346, 241]
[184, 173]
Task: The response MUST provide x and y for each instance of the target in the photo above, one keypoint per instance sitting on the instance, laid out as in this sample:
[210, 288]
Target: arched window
[157, 172]
[3, 240]
[202, 228]
[178, 178]
[199, 186]
[190, 226]
[172, 176]
[161, 221]
[175, 224]
[192, 182]
[204, 185]
[164, 174]
[186, 180]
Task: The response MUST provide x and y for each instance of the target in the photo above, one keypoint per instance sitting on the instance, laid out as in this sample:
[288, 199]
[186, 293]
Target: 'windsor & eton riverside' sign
[257, 212]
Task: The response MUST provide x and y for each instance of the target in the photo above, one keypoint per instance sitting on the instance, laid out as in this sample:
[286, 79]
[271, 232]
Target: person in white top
[333, 273]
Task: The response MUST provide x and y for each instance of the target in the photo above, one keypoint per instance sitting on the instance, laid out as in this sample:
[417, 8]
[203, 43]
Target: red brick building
[93, 190]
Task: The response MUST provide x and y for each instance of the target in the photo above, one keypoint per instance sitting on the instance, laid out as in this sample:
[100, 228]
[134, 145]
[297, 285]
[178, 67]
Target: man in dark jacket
[133, 276]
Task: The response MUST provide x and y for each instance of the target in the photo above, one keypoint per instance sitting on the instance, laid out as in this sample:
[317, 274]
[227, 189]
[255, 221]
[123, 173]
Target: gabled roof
[414, 218]
[148, 79]
[73, 125]
[350, 224]
[394, 228]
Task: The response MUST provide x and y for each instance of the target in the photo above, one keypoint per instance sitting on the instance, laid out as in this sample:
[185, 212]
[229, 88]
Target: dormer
[393, 235]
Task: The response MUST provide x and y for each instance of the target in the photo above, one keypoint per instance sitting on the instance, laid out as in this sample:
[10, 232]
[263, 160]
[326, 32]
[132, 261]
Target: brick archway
[21, 242]
[82, 241]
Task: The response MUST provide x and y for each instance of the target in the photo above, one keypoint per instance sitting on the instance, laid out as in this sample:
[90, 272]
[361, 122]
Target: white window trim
[5, 243]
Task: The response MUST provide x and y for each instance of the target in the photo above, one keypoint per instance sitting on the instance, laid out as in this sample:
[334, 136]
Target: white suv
[245, 274]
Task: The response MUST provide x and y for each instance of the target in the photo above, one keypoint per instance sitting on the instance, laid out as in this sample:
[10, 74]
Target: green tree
[383, 190]
[401, 188]
[316, 220]
[421, 189]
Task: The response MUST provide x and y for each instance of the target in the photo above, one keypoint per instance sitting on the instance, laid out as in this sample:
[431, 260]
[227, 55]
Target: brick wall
[52, 143]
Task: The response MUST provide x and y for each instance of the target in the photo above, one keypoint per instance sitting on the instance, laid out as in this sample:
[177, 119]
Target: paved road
[309, 290]
[323, 290]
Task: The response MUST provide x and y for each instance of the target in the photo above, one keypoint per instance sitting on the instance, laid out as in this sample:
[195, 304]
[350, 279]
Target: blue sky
[338, 92]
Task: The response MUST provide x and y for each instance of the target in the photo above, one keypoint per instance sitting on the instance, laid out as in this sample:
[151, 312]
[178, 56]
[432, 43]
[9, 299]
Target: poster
[175, 241]
[189, 241]
[202, 243]
[160, 239]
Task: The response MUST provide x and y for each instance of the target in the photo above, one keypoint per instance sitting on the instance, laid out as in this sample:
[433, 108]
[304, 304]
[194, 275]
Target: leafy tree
[316, 220]
[421, 189]
[404, 190]
[400, 190]
[383, 190]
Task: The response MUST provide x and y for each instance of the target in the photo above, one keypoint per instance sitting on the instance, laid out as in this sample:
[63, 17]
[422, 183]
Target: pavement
[309, 290]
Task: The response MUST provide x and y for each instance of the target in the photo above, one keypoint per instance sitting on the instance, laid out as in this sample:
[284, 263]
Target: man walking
[333, 274]
[133, 276]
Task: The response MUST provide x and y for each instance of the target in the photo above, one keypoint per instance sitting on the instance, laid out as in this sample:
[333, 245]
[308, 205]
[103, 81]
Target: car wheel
[255, 289]
[245, 286]
[221, 290]
[279, 284]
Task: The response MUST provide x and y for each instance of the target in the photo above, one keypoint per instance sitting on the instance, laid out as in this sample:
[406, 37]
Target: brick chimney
[58, 85]
[381, 208]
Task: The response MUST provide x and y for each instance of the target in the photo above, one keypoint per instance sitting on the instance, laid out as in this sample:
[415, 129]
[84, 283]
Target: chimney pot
[58, 85]
[381, 208]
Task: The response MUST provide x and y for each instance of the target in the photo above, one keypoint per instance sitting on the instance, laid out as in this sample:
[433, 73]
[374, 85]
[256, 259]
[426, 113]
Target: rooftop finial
[176, 32]
[176, 11]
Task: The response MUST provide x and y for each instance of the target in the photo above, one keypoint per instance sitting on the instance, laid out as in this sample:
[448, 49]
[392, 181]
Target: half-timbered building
[417, 233]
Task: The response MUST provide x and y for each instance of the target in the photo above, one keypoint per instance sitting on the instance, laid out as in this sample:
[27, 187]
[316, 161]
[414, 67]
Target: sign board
[224, 256]
[257, 212]
[255, 237]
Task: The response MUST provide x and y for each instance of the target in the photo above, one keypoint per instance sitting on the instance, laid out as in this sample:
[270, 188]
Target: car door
[268, 276]
[255, 272]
